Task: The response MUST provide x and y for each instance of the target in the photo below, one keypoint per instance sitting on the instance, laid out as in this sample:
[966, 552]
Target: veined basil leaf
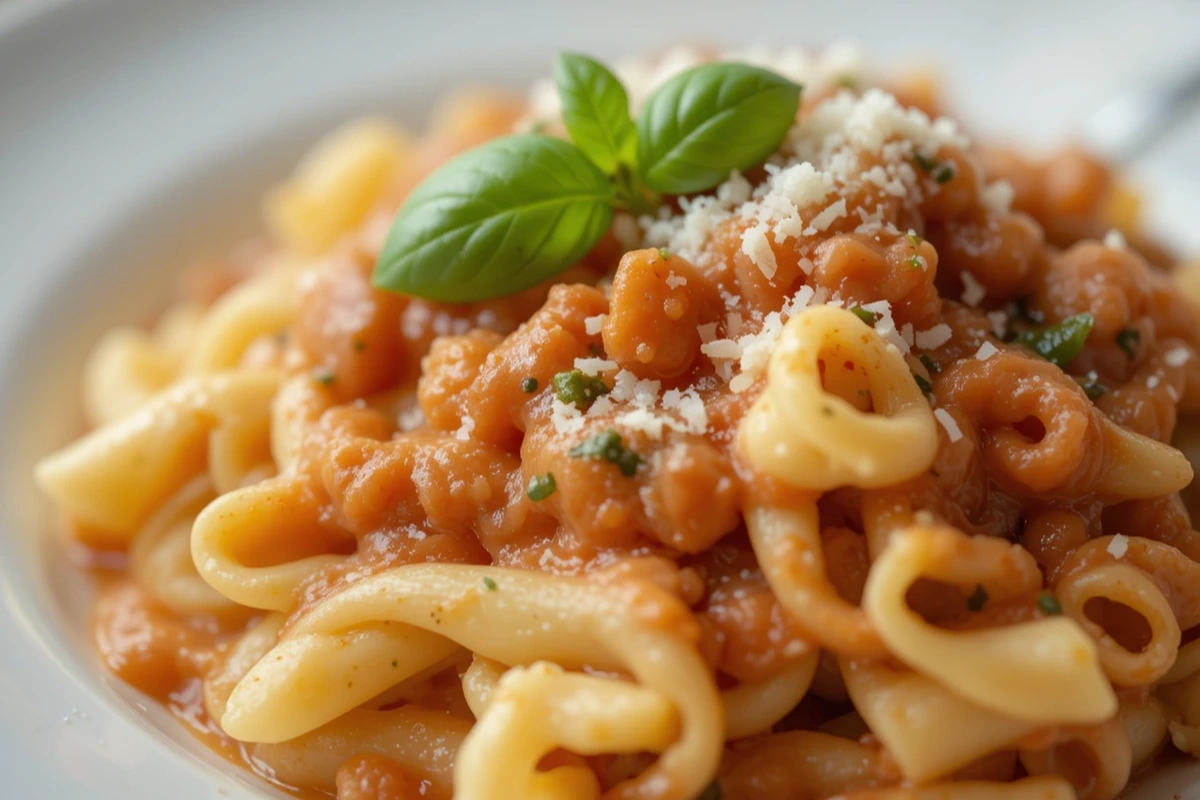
[1062, 342]
[595, 109]
[709, 120]
[498, 219]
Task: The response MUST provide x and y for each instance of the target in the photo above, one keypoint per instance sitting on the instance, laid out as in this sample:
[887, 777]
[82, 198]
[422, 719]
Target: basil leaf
[1059, 343]
[498, 219]
[595, 109]
[709, 120]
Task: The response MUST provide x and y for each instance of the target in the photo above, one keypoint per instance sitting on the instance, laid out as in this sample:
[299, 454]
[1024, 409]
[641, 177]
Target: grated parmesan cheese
[1152, 381]
[675, 281]
[826, 218]
[465, 427]
[411, 419]
[1177, 357]
[565, 417]
[1115, 240]
[973, 290]
[997, 197]
[885, 326]
[594, 366]
[593, 325]
[758, 249]
[947, 422]
[1119, 546]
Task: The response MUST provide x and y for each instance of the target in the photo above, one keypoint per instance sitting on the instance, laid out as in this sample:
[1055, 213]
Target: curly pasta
[849, 478]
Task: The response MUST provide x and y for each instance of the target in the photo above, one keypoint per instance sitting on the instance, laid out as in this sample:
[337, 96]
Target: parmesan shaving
[986, 351]
[1119, 546]
[1177, 357]
[947, 422]
[935, 337]
[1115, 240]
[973, 290]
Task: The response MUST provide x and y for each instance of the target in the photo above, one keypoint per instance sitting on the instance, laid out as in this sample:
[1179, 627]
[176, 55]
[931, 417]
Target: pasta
[849, 477]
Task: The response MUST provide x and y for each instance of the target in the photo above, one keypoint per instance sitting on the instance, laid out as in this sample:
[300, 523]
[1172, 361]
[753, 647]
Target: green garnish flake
[608, 446]
[1128, 340]
[1059, 344]
[664, 254]
[978, 599]
[1048, 605]
[529, 385]
[1092, 386]
[924, 385]
[913, 239]
[540, 487]
[489, 584]
[929, 364]
[324, 376]
[866, 316]
[940, 171]
[846, 81]
[578, 389]
[712, 792]
[916, 262]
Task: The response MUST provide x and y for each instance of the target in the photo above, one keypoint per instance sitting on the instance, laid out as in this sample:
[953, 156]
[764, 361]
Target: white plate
[136, 134]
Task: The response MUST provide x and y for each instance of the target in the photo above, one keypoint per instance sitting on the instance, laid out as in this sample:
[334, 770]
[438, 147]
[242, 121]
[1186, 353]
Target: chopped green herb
[941, 171]
[711, 792]
[539, 127]
[1128, 340]
[1091, 386]
[359, 345]
[916, 262]
[866, 316]
[846, 81]
[1048, 604]
[978, 599]
[1059, 343]
[324, 376]
[931, 365]
[541, 486]
[578, 389]
[923, 384]
[664, 253]
[913, 239]
[608, 446]
[489, 584]
[529, 385]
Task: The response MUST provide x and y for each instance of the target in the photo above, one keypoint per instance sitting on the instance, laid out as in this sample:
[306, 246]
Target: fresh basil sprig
[709, 120]
[595, 111]
[517, 211]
